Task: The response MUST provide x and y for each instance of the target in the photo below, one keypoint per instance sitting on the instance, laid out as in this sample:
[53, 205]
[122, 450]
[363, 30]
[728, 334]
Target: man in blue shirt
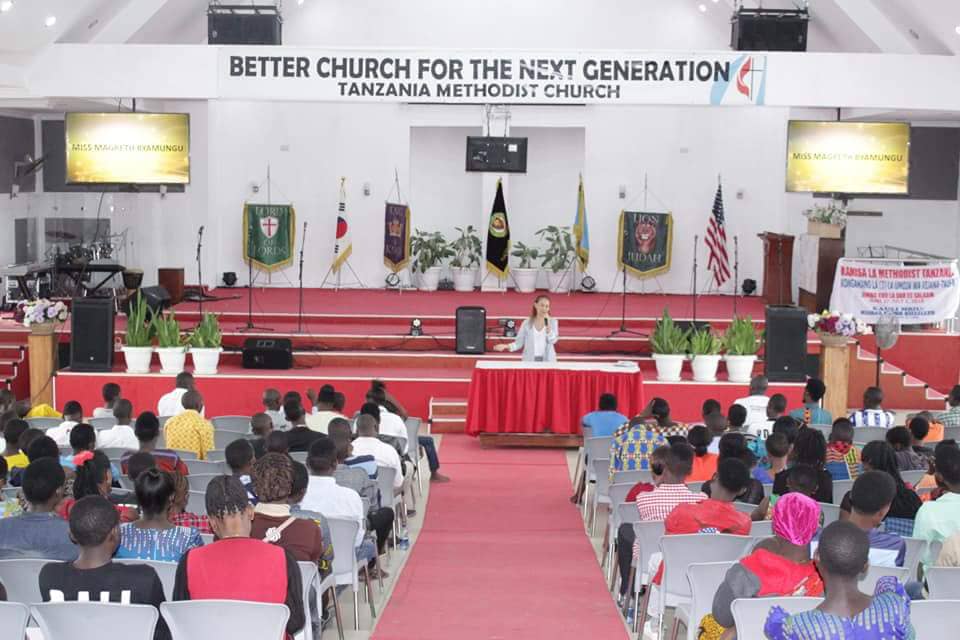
[40, 532]
[604, 422]
[811, 412]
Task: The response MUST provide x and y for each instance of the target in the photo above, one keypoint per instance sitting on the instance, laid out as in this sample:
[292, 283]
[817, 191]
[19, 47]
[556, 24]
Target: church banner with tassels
[269, 232]
[396, 236]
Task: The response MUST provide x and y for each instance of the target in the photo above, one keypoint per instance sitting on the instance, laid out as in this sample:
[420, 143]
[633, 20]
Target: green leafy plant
[742, 337]
[430, 249]
[138, 331]
[526, 254]
[168, 330]
[668, 338]
[206, 335]
[559, 251]
[466, 249]
[703, 342]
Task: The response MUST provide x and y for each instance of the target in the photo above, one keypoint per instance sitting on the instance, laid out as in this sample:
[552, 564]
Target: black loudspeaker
[244, 25]
[157, 298]
[785, 348]
[91, 334]
[471, 330]
[769, 30]
[267, 353]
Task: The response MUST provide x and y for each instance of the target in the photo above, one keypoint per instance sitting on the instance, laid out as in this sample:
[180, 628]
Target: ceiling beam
[878, 26]
[127, 21]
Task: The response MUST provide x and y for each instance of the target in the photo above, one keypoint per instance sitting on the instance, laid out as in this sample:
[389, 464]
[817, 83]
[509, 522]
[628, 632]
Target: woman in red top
[236, 566]
[704, 463]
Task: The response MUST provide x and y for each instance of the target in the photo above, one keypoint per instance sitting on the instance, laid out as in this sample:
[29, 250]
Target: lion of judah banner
[645, 242]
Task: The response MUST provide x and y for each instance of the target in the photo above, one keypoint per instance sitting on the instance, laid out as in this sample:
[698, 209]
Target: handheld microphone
[201, 231]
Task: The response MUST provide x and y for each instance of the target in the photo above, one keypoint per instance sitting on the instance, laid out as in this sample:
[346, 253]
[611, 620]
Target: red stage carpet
[502, 554]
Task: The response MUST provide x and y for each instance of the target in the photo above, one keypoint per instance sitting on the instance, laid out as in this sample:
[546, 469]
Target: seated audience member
[658, 413]
[323, 411]
[939, 519]
[736, 418]
[935, 429]
[238, 566]
[83, 438]
[715, 422]
[72, 416]
[153, 537]
[171, 404]
[843, 458]
[379, 518]
[803, 479]
[138, 463]
[272, 521]
[919, 427]
[901, 440]
[879, 456]
[147, 432]
[606, 419]
[393, 405]
[93, 477]
[809, 448]
[716, 514]
[632, 443]
[8, 506]
[704, 463]
[951, 417]
[950, 552]
[626, 536]
[110, 393]
[340, 401]
[811, 412]
[367, 443]
[120, 435]
[43, 447]
[777, 566]
[299, 437]
[391, 426]
[13, 453]
[39, 532]
[261, 425]
[8, 400]
[671, 489]
[25, 410]
[734, 445]
[178, 510]
[277, 442]
[776, 407]
[872, 414]
[367, 463]
[777, 449]
[93, 576]
[788, 427]
[756, 402]
[189, 430]
[272, 407]
[301, 478]
[870, 499]
[239, 457]
[842, 559]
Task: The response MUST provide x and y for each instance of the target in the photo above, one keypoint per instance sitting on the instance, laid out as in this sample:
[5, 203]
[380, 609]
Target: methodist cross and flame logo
[748, 79]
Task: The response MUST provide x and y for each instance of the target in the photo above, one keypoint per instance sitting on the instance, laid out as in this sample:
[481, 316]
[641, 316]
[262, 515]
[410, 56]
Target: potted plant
[205, 345]
[170, 345]
[137, 350]
[826, 221]
[705, 354]
[466, 259]
[669, 345]
[742, 342]
[557, 256]
[525, 275]
[429, 250]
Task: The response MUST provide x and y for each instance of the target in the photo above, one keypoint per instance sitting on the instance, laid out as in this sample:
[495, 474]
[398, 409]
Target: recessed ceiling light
[957, 29]
[6, 5]
[50, 21]
[703, 8]
[299, 3]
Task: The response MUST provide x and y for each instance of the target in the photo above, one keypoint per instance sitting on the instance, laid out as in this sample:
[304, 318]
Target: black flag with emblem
[498, 236]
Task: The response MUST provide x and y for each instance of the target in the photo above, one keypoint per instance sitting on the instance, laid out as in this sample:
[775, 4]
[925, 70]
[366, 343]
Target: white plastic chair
[95, 620]
[825, 429]
[346, 568]
[943, 582]
[931, 618]
[197, 502]
[695, 487]
[761, 529]
[240, 424]
[13, 619]
[205, 467]
[234, 619]
[744, 507]
[199, 481]
[19, 578]
[704, 578]
[223, 437]
[166, 571]
[913, 477]
[114, 453]
[617, 494]
[840, 489]
[216, 455]
[593, 448]
[632, 477]
[750, 614]
[911, 559]
[102, 423]
[385, 479]
[831, 512]
[951, 433]
[207, 538]
[44, 423]
[310, 577]
[600, 468]
[869, 582]
[863, 435]
[186, 455]
[648, 535]
[413, 435]
[10, 493]
[299, 456]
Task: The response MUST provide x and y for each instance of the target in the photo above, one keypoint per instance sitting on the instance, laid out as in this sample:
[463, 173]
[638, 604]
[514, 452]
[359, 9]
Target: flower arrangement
[834, 323]
[43, 311]
[833, 213]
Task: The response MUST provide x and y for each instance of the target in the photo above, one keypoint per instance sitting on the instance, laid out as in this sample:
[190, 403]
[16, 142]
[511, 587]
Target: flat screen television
[127, 148]
[848, 157]
[499, 155]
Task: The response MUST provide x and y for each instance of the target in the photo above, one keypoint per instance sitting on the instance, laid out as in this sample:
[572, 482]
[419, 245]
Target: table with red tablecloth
[542, 397]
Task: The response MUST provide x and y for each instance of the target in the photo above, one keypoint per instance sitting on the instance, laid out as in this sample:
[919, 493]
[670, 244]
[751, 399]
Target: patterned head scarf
[796, 518]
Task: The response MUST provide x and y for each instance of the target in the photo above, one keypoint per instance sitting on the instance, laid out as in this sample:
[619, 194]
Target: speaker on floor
[785, 344]
[156, 298]
[91, 334]
[267, 353]
[471, 330]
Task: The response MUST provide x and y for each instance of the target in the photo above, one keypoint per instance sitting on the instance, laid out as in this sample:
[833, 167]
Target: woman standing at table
[537, 334]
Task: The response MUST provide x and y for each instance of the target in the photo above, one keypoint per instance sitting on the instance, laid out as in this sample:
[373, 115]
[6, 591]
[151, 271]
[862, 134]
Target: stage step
[901, 391]
[448, 415]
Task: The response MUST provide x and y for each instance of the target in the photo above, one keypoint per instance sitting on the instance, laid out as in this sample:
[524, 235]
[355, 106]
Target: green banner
[645, 242]
[268, 235]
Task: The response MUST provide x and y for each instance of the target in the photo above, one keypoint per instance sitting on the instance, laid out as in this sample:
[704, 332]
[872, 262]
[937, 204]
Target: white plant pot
[137, 358]
[525, 279]
[705, 367]
[172, 359]
[669, 366]
[739, 368]
[430, 279]
[464, 279]
[559, 281]
[205, 361]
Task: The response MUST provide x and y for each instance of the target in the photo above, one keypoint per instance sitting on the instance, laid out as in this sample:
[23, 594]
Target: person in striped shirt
[872, 414]
[952, 417]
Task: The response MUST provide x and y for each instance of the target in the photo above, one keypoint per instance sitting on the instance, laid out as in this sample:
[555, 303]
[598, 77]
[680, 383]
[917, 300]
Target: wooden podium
[835, 373]
[42, 351]
[777, 268]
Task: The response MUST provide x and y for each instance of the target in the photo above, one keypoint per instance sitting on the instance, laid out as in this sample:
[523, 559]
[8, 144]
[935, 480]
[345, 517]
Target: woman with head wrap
[777, 566]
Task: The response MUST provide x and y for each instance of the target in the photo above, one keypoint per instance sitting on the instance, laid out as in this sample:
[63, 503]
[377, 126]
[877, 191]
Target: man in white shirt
[775, 408]
[272, 407]
[323, 411]
[756, 402]
[110, 393]
[171, 404]
[120, 435]
[368, 444]
[324, 495]
[390, 424]
[872, 414]
[72, 416]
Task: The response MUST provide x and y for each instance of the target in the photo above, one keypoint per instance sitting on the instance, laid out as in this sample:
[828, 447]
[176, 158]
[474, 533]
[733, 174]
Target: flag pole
[736, 272]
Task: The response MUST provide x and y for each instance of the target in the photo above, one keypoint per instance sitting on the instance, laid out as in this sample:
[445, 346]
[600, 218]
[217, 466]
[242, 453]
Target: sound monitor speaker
[156, 298]
[91, 334]
[471, 330]
[267, 353]
[769, 30]
[785, 348]
[244, 24]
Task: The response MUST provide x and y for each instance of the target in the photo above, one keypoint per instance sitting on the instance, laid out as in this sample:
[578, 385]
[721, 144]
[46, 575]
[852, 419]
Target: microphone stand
[250, 326]
[779, 269]
[200, 268]
[303, 243]
[623, 312]
[736, 272]
[696, 241]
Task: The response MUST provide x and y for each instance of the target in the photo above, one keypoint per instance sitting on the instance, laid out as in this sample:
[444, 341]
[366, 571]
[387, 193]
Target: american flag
[718, 261]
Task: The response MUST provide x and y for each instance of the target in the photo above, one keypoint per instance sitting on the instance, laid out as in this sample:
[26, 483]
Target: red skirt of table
[545, 400]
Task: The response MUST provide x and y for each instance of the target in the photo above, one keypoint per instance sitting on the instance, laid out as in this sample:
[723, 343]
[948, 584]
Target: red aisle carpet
[502, 554]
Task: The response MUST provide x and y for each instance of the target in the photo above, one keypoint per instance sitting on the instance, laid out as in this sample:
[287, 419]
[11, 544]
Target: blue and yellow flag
[580, 231]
